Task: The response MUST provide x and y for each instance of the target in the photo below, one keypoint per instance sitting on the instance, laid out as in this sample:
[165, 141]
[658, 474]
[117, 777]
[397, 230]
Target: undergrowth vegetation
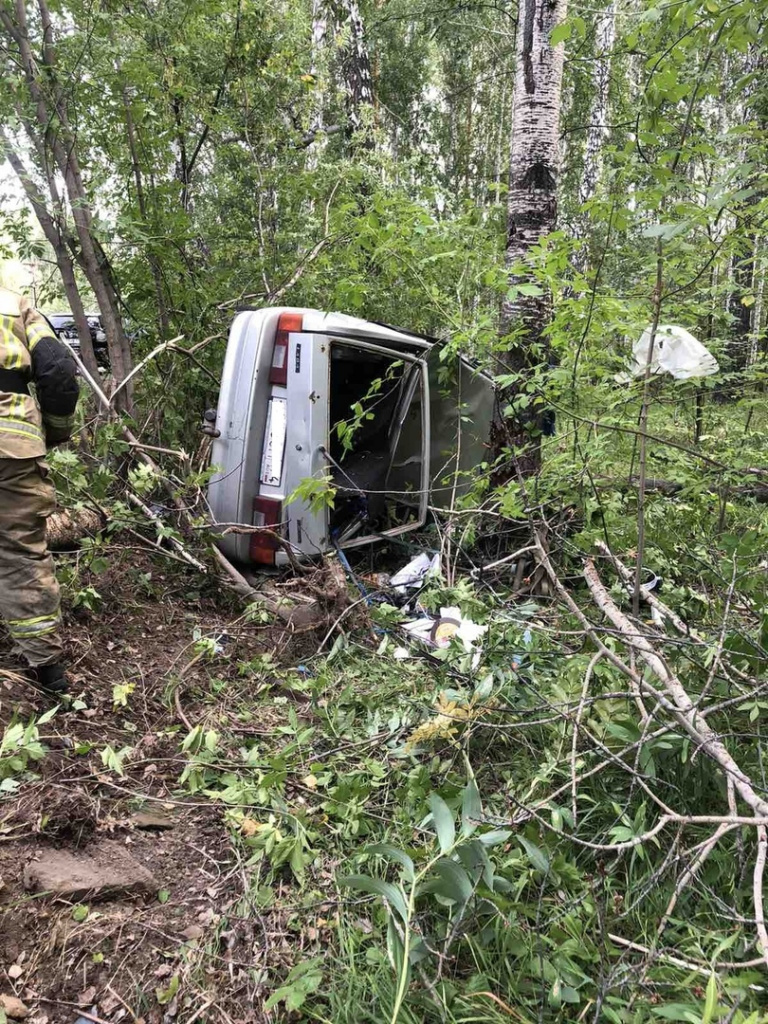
[563, 816]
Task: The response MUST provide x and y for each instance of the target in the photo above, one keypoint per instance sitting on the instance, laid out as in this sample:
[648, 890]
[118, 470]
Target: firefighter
[30, 424]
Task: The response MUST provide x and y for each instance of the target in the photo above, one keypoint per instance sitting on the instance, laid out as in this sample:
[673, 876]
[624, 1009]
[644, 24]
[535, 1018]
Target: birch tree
[597, 131]
[531, 214]
[45, 119]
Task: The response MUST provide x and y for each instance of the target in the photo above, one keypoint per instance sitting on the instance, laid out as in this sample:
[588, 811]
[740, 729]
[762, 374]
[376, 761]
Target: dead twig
[757, 890]
[577, 722]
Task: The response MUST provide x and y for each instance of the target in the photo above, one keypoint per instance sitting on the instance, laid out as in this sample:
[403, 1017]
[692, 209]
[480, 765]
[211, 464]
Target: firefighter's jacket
[30, 354]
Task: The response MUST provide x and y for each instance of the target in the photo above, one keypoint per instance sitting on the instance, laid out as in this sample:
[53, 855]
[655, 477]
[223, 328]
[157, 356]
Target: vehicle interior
[376, 449]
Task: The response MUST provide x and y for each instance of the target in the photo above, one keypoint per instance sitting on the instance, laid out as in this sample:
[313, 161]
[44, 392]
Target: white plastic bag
[675, 351]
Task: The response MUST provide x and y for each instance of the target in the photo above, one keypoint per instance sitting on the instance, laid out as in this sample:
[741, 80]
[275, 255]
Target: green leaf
[471, 808]
[476, 861]
[395, 949]
[495, 836]
[443, 820]
[163, 896]
[165, 995]
[710, 1002]
[484, 688]
[48, 715]
[392, 853]
[80, 912]
[537, 857]
[303, 979]
[677, 1012]
[393, 894]
[454, 881]
[560, 33]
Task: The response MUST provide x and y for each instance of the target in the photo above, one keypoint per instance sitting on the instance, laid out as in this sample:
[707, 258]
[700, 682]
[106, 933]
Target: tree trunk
[318, 71]
[54, 136]
[755, 347]
[54, 235]
[605, 35]
[531, 214]
[355, 66]
[738, 345]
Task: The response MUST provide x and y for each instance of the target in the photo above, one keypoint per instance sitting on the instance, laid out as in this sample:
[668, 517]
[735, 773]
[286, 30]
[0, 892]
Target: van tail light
[269, 513]
[288, 323]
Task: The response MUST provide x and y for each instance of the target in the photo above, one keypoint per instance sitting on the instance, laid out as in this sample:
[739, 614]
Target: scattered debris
[108, 870]
[151, 821]
[87, 997]
[433, 630]
[414, 573]
[675, 351]
[13, 1007]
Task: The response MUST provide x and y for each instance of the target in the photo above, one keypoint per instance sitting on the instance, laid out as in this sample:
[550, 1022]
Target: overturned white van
[370, 408]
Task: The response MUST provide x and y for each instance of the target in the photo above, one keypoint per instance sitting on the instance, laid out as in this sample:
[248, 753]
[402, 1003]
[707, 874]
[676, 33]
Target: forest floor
[136, 686]
[183, 839]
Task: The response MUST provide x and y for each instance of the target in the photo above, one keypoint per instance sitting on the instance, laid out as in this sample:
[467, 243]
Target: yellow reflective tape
[18, 422]
[59, 421]
[31, 432]
[12, 350]
[33, 621]
[23, 633]
[36, 333]
[34, 627]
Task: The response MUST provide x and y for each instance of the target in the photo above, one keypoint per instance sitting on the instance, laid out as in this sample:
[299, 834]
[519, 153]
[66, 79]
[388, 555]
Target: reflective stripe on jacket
[30, 353]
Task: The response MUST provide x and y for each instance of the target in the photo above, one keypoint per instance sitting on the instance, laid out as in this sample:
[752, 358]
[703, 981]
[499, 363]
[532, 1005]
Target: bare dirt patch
[85, 948]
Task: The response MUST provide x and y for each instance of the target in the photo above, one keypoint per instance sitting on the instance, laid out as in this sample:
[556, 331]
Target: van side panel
[240, 418]
[307, 434]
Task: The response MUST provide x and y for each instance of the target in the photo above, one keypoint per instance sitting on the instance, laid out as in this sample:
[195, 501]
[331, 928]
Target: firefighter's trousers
[29, 593]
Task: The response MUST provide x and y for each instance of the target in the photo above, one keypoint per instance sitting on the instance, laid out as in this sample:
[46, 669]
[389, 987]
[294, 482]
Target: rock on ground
[106, 870]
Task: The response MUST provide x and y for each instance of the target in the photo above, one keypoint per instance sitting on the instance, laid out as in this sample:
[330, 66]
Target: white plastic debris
[675, 351]
[467, 631]
[420, 628]
[412, 574]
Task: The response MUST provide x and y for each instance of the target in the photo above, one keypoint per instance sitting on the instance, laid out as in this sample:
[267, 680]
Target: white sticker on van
[274, 444]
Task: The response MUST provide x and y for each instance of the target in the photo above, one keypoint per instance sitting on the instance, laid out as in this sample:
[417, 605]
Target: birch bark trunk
[605, 35]
[355, 65]
[318, 71]
[531, 214]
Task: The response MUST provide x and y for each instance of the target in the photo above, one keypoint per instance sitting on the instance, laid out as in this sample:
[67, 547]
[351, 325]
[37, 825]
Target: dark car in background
[66, 329]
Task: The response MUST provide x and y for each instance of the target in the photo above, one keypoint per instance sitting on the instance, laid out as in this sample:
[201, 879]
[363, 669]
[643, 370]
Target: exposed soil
[110, 960]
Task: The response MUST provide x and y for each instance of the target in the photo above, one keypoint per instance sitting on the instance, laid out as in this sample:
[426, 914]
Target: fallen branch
[688, 965]
[686, 713]
[665, 612]
[175, 544]
[648, 596]
[66, 528]
[757, 891]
